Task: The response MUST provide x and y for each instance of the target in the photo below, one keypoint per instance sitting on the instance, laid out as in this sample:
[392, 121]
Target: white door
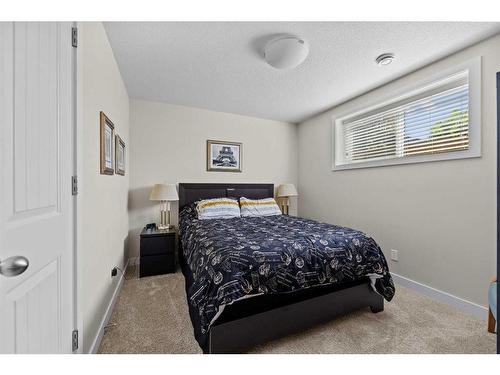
[36, 207]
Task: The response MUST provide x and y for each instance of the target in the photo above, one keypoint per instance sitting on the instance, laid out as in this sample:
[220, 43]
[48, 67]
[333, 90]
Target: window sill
[409, 160]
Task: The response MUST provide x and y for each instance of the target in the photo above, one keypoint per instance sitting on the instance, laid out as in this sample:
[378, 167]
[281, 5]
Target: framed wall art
[119, 156]
[107, 140]
[224, 156]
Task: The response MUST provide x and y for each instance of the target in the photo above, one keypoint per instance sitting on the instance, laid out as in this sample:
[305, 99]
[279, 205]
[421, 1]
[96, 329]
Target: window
[433, 122]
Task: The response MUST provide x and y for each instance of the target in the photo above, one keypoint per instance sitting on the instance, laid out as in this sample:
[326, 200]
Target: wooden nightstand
[158, 252]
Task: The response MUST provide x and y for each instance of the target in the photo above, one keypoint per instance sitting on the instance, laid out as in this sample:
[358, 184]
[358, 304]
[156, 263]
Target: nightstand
[158, 252]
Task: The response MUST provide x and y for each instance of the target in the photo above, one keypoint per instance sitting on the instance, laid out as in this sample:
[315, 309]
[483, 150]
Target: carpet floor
[151, 316]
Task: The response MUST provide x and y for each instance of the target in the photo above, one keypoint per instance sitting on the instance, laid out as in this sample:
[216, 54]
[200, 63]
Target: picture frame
[119, 156]
[107, 136]
[224, 156]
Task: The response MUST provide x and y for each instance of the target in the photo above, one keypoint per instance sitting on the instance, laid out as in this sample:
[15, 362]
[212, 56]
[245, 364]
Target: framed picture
[107, 140]
[224, 156]
[119, 155]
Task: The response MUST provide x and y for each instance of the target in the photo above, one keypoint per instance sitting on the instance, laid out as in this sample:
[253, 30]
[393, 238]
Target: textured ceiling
[219, 65]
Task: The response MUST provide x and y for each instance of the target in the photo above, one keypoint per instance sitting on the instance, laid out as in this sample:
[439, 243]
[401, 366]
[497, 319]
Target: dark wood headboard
[189, 193]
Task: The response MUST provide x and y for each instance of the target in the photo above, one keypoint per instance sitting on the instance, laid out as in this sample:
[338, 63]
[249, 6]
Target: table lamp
[165, 193]
[286, 191]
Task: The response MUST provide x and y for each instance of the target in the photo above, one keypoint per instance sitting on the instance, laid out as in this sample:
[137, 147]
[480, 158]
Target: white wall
[103, 219]
[439, 215]
[168, 144]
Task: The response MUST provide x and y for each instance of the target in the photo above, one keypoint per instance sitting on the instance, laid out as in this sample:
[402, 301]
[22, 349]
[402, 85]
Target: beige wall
[439, 215]
[168, 144]
[103, 219]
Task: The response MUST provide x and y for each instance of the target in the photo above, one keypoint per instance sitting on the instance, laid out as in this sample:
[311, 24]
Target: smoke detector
[384, 59]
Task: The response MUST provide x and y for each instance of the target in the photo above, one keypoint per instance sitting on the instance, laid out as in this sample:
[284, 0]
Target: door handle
[13, 266]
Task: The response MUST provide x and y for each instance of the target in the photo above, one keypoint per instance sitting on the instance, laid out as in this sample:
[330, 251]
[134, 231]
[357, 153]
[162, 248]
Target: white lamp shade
[287, 190]
[164, 192]
[286, 52]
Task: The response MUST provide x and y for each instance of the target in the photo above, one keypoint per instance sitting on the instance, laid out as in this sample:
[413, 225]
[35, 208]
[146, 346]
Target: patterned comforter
[232, 259]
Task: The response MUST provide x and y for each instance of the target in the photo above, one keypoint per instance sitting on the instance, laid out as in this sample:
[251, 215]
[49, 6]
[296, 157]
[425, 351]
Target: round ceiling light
[384, 59]
[286, 52]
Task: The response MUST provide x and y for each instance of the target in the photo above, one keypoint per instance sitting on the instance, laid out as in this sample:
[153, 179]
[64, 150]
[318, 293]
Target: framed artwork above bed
[223, 156]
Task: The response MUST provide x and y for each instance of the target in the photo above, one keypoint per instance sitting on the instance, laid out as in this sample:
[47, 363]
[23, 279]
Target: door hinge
[74, 340]
[74, 185]
[74, 37]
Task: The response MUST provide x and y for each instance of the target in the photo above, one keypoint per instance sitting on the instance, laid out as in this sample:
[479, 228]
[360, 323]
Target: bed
[251, 280]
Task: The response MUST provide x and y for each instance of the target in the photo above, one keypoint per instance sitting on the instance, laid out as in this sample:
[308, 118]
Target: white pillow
[218, 208]
[259, 207]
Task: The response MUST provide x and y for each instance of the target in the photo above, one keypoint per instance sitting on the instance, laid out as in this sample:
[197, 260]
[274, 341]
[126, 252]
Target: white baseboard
[472, 308]
[109, 311]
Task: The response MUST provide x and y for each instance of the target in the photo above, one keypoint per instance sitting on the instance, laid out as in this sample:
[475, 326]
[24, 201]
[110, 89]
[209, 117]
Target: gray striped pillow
[218, 208]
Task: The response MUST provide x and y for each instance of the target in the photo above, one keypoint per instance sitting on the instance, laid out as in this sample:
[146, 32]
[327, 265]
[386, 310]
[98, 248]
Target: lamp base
[165, 221]
[165, 226]
[285, 205]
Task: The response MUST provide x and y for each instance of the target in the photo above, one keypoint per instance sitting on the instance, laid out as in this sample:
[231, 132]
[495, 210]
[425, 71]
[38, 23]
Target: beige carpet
[151, 316]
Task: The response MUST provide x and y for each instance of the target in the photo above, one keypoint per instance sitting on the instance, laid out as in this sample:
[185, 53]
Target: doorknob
[13, 266]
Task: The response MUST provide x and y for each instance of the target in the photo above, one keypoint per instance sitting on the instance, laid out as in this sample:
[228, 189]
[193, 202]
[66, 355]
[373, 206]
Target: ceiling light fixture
[384, 59]
[286, 52]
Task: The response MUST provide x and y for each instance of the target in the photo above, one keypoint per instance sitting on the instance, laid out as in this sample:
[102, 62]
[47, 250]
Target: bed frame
[236, 334]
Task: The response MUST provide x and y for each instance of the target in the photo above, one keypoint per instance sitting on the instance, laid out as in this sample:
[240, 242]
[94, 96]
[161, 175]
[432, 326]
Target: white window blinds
[435, 119]
[432, 122]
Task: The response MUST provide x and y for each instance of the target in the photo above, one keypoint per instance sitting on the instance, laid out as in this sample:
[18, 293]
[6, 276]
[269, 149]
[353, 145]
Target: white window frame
[472, 67]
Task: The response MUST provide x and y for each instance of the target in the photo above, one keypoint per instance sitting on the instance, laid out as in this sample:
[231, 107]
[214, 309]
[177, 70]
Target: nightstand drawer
[157, 264]
[157, 245]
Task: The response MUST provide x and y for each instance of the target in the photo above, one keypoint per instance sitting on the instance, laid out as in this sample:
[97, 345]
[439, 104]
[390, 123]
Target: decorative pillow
[259, 207]
[218, 208]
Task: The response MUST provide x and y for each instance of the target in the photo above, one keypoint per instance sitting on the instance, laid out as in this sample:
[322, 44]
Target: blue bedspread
[237, 258]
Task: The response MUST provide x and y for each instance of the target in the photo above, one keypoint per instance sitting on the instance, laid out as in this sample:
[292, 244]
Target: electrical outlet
[394, 255]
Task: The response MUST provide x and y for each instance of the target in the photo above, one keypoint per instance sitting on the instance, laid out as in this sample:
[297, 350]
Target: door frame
[78, 171]
[498, 198]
